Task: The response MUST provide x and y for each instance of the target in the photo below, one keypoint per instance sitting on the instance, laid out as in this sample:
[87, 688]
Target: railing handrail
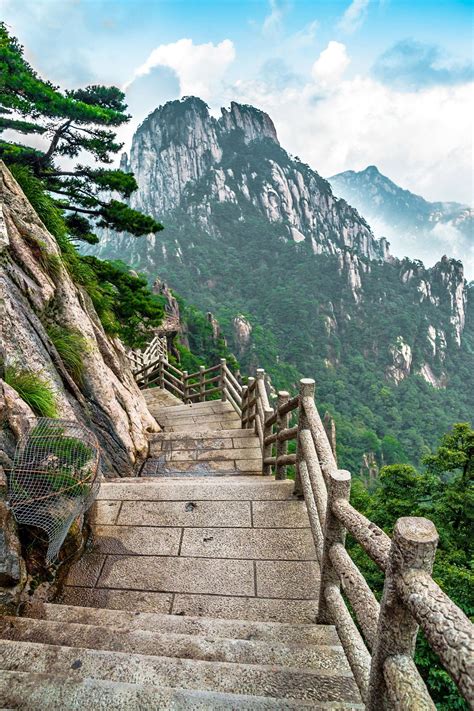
[411, 598]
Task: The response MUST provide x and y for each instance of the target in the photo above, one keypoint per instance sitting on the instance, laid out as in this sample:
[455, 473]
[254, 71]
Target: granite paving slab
[287, 579]
[185, 513]
[193, 575]
[254, 543]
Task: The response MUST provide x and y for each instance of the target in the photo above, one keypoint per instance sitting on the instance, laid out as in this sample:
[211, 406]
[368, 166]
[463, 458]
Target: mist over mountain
[297, 279]
[414, 226]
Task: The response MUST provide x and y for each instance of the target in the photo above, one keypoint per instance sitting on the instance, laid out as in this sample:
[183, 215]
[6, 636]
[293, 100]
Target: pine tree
[70, 123]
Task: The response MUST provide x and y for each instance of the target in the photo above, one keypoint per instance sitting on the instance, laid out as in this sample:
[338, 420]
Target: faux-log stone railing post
[413, 548]
[307, 388]
[222, 380]
[245, 406]
[161, 373]
[202, 386]
[251, 397]
[282, 423]
[338, 487]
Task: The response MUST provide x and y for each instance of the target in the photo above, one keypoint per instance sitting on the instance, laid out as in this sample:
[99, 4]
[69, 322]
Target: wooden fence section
[157, 348]
[378, 638]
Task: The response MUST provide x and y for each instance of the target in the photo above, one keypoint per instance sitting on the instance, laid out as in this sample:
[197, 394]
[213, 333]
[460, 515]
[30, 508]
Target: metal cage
[54, 478]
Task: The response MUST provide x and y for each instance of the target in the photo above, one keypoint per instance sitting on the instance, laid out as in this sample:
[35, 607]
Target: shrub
[34, 390]
[72, 347]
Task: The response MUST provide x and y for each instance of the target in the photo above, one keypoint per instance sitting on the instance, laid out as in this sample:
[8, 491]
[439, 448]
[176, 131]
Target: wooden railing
[378, 638]
[156, 349]
[193, 387]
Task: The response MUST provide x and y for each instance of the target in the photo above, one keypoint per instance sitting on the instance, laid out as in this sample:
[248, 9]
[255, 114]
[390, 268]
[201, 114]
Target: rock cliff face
[180, 150]
[33, 294]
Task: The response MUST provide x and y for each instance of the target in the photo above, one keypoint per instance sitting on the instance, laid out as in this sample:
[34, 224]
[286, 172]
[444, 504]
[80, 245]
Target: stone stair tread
[221, 649]
[223, 488]
[31, 692]
[210, 434]
[224, 677]
[286, 633]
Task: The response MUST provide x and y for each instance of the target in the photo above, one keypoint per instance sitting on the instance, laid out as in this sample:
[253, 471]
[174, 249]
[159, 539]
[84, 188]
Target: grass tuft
[33, 389]
[72, 347]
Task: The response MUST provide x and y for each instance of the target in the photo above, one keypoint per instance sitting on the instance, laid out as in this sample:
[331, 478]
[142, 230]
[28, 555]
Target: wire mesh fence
[54, 478]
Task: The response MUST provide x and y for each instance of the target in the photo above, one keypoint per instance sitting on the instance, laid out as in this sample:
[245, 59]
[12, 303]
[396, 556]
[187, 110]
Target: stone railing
[378, 638]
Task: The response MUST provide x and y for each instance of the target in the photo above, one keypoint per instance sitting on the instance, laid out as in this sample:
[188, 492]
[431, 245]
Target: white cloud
[304, 37]
[199, 67]
[420, 139]
[331, 63]
[273, 21]
[354, 16]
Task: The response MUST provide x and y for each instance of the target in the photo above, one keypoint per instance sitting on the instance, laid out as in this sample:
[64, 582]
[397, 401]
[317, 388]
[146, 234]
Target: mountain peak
[372, 170]
[255, 124]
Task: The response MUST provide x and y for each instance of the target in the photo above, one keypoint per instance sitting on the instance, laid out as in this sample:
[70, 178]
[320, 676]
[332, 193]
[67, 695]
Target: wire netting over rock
[54, 478]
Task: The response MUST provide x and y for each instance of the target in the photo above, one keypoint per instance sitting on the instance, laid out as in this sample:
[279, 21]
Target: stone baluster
[307, 387]
[338, 487]
[245, 405]
[185, 386]
[202, 387]
[413, 548]
[252, 394]
[222, 381]
[281, 424]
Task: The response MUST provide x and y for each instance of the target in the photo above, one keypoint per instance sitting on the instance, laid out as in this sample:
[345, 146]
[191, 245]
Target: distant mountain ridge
[422, 228]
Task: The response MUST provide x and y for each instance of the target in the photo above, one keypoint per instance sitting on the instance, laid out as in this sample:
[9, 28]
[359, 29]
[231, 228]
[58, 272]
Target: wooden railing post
[245, 404]
[185, 385]
[307, 387]
[413, 548]
[282, 423]
[338, 487]
[222, 381]
[202, 386]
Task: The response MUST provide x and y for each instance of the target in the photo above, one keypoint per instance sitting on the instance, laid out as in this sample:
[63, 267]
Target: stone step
[280, 579]
[206, 425]
[259, 609]
[223, 677]
[237, 433]
[159, 467]
[216, 406]
[31, 692]
[286, 633]
[165, 644]
[242, 488]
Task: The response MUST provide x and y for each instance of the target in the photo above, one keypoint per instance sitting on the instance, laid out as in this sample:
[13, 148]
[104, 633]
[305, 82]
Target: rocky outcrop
[402, 359]
[180, 148]
[36, 289]
[242, 334]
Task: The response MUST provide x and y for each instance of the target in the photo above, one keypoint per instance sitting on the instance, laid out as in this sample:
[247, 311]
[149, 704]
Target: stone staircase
[198, 592]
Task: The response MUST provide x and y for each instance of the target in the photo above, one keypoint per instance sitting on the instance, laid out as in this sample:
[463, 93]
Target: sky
[347, 83]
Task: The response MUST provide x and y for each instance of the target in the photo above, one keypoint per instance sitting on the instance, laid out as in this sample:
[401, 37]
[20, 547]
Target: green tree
[444, 493]
[70, 123]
